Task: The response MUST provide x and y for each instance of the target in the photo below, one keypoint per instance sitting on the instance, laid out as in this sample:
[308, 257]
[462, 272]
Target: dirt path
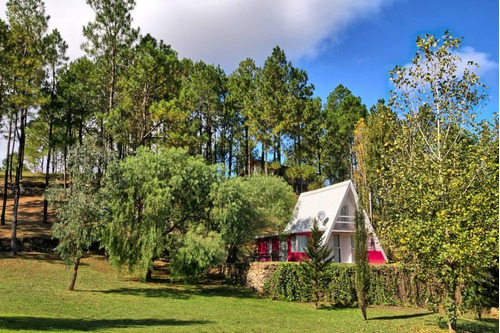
[30, 218]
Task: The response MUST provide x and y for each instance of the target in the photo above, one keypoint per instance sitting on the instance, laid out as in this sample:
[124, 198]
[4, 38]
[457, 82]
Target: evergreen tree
[362, 273]
[341, 112]
[55, 57]
[28, 27]
[110, 39]
[319, 257]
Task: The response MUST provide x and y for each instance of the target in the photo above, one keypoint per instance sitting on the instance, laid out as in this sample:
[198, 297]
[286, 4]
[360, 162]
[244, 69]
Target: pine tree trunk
[6, 178]
[64, 166]
[247, 153]
[230, 161]
[20, 159]
[75, 273]
[45, 202]
[13, 147]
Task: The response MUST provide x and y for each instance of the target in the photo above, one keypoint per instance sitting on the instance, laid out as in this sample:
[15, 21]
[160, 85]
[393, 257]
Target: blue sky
[369, 49]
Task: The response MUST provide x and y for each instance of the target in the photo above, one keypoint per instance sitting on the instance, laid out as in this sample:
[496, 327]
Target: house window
[299, 243]
[336, 248]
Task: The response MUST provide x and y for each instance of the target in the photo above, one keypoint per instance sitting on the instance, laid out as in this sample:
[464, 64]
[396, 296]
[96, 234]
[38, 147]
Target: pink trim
[298, 256]
[276, 244]
[375, 257]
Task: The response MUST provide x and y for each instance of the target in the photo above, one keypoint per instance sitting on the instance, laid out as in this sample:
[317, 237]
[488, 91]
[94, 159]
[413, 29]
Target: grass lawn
[33, 298]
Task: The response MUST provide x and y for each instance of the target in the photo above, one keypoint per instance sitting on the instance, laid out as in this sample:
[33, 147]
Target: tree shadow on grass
[486, 325]
[333, 307]
[405, 316]
[87, 325]
[180, 292]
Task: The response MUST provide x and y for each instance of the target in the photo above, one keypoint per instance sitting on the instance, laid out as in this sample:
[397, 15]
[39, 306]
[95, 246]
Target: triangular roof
[329, 199]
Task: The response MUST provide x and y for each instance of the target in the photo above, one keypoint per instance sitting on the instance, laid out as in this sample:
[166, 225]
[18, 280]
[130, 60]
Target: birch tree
[443, 172]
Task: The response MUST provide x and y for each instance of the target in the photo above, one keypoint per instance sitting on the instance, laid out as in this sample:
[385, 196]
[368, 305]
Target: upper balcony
[344, 223]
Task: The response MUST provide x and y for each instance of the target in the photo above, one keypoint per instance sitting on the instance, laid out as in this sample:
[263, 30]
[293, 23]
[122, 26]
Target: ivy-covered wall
[389, 285]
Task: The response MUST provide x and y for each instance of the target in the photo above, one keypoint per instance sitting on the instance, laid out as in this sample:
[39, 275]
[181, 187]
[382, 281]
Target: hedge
[389, 285]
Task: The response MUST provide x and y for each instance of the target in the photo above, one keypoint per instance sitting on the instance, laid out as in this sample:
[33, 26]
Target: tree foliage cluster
[163, 204]
[433, 169]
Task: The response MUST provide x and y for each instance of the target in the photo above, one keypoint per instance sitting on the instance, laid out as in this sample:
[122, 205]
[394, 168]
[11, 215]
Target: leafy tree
[154, 197]
[273, 105]
[442, 191]
[315, 268]
[373, 138]
[362, 273]
[79, 98]
[244, 207]
[196, 251]
[80, 208]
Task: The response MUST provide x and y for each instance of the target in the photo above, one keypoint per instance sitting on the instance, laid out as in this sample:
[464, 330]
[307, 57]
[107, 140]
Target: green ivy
[389, 285]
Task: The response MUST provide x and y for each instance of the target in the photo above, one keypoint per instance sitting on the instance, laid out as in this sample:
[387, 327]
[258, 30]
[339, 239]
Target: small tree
[80, 209]
[362, 272]
[319, 258]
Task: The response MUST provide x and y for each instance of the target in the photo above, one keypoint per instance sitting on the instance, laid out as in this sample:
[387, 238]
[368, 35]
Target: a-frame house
[333, 208]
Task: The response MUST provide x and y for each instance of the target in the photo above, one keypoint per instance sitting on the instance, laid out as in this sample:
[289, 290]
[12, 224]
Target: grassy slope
[33, 298]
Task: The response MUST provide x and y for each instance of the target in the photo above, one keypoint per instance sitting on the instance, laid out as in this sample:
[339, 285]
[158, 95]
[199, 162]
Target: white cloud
[227, 31]
[468, 53]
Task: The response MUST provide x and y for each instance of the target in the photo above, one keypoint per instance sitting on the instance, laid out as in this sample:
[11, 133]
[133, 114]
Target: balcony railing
[344, 223]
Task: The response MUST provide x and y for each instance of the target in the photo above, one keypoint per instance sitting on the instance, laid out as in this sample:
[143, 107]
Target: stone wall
[251, 275]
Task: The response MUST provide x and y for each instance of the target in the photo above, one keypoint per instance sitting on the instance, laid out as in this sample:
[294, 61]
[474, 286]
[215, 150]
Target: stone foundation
[251, 275]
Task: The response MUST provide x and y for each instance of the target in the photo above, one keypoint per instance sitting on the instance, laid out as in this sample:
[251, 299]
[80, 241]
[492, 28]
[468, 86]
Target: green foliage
[362, 276]
[441, 187]
[153, 196]
[389, 285]
[341, 112]
[315, 267]
[81, 210]
[243, 207]
[482, 293]
[198, 250]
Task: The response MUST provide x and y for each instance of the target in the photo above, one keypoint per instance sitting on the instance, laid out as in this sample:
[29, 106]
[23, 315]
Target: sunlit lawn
[33, 298]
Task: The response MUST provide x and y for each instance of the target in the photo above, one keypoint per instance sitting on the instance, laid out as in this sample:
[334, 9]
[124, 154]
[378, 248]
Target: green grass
[33, 298]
